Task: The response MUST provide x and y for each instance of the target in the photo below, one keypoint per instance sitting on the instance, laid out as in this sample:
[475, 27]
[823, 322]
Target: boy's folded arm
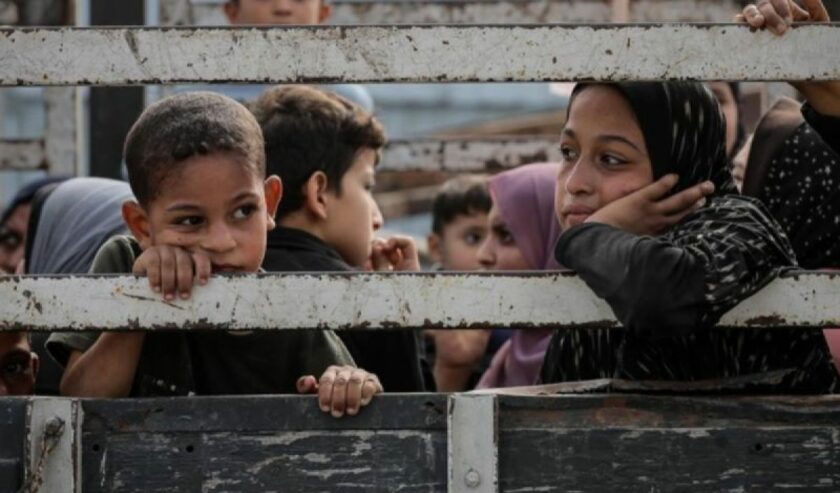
[106, 369]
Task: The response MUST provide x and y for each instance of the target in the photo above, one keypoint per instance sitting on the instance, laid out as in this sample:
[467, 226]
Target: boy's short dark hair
[185, 125]
[463, 195]
[308, 130]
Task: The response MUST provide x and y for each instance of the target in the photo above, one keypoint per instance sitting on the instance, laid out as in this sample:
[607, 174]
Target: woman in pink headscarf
[523, 232]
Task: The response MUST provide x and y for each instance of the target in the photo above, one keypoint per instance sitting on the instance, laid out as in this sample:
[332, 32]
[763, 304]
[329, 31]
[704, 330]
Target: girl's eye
[504, 236]
[189, 221]
[244, 211]
[568, 153]
[611, 160]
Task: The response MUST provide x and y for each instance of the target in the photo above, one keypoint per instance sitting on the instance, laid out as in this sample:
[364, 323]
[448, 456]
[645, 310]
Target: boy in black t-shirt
[325, 149]
[196, 164]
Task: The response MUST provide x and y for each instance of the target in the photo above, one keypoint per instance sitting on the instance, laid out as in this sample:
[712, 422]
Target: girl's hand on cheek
[648, 211]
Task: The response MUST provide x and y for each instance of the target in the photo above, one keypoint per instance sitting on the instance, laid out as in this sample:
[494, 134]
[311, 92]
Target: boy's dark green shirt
[393, 355]
[211, 362]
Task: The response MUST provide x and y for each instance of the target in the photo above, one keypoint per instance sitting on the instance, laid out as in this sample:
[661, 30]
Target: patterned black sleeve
[740, 246]
[687, 278]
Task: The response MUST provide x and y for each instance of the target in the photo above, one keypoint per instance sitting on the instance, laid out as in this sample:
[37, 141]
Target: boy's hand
[341, 389]
[398, 253]
[646, 212]
[172, 270]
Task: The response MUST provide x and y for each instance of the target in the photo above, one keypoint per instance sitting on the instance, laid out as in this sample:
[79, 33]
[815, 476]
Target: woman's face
[499, 250]
[604, 156]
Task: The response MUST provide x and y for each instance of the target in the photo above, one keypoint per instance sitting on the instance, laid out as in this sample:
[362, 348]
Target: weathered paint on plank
[623, 442]
[371, 301]
[316, 54]
[461, 155]
[264, 443]
[61, 146]
[209, 13]
[757, 458]
[468, 155]
[559, 443]
[12, 429]
[22, 155]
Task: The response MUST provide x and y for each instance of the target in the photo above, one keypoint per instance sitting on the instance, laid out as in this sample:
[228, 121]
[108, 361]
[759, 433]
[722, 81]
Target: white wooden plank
[371, 301]
[61, 138]
[114, 56]
[468, 155]
[22, 155]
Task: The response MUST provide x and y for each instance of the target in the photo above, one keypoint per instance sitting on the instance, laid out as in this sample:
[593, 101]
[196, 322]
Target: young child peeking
[196, 165]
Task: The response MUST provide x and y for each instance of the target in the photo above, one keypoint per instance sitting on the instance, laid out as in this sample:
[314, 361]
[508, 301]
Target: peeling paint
[125, 56]
[374, 301]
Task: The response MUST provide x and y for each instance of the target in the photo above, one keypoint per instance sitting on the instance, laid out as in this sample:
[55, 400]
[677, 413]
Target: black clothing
[393, 355]
[794, 169]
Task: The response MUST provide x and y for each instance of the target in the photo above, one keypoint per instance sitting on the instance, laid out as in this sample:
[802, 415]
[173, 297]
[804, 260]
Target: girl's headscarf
[75, 220]
[525, 198]
[684, 130]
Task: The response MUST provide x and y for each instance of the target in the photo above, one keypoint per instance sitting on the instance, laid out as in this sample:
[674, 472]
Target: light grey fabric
[77, 218]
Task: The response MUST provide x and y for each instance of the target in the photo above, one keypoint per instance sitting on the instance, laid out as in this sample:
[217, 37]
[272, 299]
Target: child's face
[499, 250]
[215, 205]
[274, 12]
[604, 156]
[352, 214]
[18, 364]
[457, 247]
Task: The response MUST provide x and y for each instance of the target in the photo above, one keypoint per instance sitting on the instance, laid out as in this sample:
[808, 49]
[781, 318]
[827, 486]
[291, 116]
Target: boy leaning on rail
[196, 164]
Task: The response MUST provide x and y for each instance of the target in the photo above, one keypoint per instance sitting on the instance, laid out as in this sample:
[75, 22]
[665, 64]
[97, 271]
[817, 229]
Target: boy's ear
[137, 220]
[231, 11]
[434, 245]
[273, 195]
[315, 195]
[324, 12]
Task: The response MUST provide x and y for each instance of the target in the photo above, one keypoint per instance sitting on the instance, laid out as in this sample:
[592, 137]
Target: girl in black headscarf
[637, 160]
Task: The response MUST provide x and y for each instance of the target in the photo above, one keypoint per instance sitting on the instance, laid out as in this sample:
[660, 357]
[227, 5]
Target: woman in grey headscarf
[68, 225]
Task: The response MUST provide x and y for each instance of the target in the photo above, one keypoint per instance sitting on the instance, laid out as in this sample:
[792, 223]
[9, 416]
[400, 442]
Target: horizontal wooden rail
[209, 12]
[22, 155]
[621, 443]
[455, 155]
[117, 56]
[372, 301]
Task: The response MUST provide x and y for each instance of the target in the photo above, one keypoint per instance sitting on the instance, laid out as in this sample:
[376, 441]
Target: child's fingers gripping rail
[341, 389]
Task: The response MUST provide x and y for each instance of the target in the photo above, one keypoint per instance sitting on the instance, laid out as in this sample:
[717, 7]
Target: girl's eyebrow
[604, 138]
[618, 138]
